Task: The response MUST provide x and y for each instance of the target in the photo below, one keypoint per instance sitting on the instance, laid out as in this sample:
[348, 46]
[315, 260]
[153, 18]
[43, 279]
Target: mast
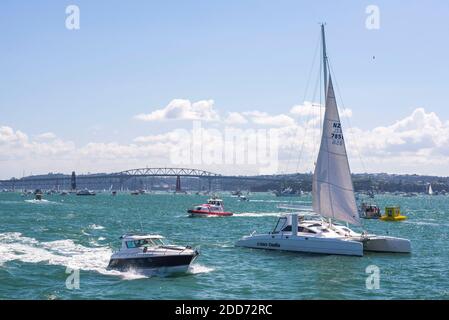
[323, 46]
[332, 188]
[323, 38]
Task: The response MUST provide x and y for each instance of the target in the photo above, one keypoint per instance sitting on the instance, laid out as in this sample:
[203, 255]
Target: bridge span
[134, 178]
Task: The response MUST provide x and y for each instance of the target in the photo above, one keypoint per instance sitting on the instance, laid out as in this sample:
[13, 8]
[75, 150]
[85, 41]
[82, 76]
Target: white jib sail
[333, 192]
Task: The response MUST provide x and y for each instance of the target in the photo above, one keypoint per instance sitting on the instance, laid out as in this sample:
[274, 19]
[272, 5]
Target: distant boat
[38, 195]
[410, 194]
[429, 190]
[369, 211]
[85, 192]
[243, 198]
[213, 207]
[393, 214]
[287, 192]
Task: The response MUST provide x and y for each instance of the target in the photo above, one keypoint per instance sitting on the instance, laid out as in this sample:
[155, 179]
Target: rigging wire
[309, 78]
[307, 124]
[307, 127]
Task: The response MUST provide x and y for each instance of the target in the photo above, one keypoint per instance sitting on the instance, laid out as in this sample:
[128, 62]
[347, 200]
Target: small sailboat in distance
[429, 190]
[333, 199]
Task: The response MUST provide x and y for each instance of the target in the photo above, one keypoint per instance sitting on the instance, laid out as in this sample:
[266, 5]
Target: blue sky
[133, 57]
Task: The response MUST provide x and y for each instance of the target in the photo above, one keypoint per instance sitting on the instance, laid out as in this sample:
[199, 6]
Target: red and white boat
[213, 208]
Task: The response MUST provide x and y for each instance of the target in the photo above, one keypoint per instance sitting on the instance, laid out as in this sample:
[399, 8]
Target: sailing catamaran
[333, 199]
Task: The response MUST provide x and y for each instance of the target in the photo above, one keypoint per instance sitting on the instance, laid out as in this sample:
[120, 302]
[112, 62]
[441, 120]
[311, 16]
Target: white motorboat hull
[306, 244]
[386, 244]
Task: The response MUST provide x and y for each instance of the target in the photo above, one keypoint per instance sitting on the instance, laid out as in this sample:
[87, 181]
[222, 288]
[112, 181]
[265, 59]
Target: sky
[126, 88]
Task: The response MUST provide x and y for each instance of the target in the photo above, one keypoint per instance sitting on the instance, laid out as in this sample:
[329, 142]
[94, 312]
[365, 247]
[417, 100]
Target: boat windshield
[145, 243]
[282, 223]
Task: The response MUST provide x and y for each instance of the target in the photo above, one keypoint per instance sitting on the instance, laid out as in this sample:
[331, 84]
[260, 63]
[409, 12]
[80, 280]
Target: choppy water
[39, 240]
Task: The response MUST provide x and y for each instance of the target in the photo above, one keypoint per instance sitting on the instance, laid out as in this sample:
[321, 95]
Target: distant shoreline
[375, 182]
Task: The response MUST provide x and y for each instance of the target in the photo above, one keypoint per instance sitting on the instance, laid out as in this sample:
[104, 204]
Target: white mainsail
[333, 192]
[430, 192]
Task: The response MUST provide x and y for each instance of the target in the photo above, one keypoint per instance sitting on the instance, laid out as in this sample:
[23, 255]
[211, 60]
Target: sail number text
[337, 134]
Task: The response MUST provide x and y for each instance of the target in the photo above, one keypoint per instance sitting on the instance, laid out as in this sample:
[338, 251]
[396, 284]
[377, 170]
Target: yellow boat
[392, 214]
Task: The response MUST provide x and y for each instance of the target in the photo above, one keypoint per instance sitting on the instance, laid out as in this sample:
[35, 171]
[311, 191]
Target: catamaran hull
[386, 244]
[304, 244]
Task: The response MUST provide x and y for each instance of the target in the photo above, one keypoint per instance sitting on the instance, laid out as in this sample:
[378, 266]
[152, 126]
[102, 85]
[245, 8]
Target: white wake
[14, 246]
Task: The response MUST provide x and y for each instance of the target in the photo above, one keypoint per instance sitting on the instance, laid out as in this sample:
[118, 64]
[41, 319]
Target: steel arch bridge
[49, 181]
[165, 172]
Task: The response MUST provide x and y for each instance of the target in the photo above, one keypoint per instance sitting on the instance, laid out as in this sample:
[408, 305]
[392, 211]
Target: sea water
[43, 244]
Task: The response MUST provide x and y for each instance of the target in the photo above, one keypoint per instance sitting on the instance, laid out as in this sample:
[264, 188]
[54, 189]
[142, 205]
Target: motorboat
[369, 211]
[243, 198]
[236, 193]
[150, 254]
[38, 195]
[213, 208]
[393, 214]
[410, 195]
[85, 192]
[333, 201]
[287, 192]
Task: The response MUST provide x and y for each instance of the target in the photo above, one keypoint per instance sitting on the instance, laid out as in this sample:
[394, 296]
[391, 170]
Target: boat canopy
[127, 237]
[216, 202]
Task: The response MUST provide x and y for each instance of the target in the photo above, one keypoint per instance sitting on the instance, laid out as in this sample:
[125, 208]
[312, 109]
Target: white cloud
[417, 143]
[306, 109]
[414, 133]
[169, 137]
[309, 110]
[10, 137]
[235, 118]
[16, 145]
[265, 119]
[345, 113]
[114, 151]
[181, 109]
[46, 136]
